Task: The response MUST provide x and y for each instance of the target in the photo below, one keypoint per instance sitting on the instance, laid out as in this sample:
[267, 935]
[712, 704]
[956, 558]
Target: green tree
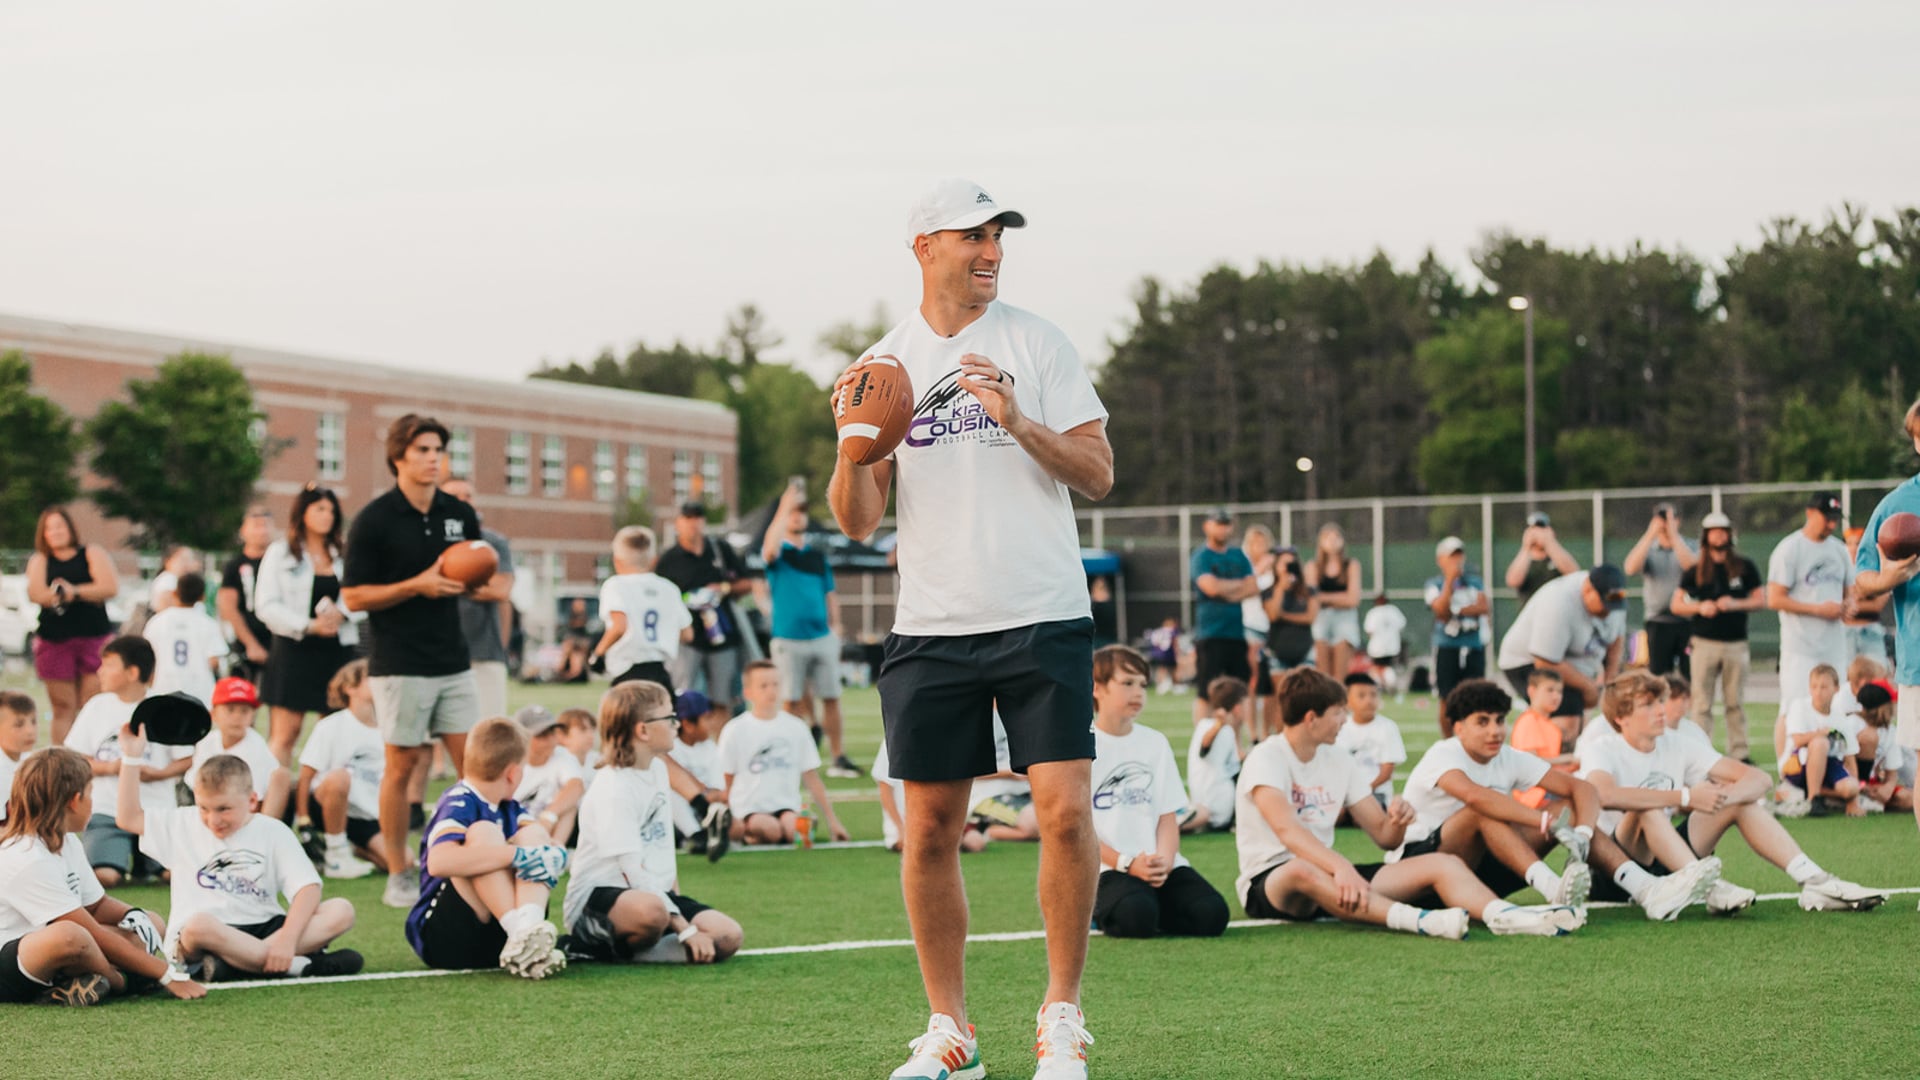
[176, 458]
[1475, 378]
[39, 442]
[852, 338]
[786, 429]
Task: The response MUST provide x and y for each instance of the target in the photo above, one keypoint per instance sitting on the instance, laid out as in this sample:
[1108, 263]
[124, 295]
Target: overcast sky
[481, 186]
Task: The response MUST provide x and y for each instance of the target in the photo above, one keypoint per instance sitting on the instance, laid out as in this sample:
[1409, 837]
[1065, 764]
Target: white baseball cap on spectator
[1452, 545]
[955, 203]
[1716, 520]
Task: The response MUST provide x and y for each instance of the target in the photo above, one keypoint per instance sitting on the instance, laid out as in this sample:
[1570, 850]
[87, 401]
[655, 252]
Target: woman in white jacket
[297, 595]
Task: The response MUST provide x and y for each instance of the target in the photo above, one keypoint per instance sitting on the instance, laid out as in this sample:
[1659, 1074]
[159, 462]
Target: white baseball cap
[955, 203]
[1449, 546]
[1716, 520]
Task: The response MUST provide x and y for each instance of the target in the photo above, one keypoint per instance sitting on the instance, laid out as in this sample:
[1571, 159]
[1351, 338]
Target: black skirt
[298, 672]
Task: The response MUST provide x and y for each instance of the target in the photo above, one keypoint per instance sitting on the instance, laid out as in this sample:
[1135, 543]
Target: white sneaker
[403, 889]
[1872, 805]
[1671, 895]
[344, 864]
[1060, 1043]
[1798, 806]
[1537, 921]
[530, 943]
[1726, 898]
[1450, 923]
[1829, 893]
[1576, 884]
[943, 1053]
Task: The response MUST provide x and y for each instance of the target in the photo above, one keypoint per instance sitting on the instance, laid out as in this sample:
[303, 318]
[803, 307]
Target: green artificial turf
[1773, 992]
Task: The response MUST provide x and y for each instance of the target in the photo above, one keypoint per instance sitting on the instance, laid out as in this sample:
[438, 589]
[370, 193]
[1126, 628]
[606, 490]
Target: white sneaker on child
[943, 1053]
[1829, 893]
[346, 865]
[529, 950]
[1450, 923]
[1726, 898]
[1670, 895]
[1537, 921]
[1060, 1043]
[1576, 884]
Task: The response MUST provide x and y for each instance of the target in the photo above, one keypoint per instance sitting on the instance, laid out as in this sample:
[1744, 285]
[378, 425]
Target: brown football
[470, 563]
[1900, 536]
[872, 411]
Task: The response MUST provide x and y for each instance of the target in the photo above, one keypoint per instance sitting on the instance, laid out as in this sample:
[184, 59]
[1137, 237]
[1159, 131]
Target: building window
[257, 432]
[519, 476]
[602, 567]
[636, 476]
[460, 455]
[553, 467]
[682, 476]
[603, 471]
[710, 480]
[330, 446]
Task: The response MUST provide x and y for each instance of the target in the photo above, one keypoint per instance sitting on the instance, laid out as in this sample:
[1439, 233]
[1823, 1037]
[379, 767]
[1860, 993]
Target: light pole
[1524, 305]
[1305, 465]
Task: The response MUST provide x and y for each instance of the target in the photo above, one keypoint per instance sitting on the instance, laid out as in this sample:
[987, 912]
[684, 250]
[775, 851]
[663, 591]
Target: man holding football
[993, 610]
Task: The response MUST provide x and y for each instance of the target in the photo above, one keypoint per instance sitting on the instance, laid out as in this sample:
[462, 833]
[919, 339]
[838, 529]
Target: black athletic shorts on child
[592, 936]
[1257, 905]
[453, 938]
[15, 986]
[938, 694]
[652, 671]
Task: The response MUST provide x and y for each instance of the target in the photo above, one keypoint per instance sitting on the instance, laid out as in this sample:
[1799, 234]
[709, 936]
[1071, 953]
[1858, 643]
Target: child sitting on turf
[235, 704]
[1818, 758]
[1163, 651]
[1213, 755]
[621, 897]
[228, 866]
[1889, 780]
[1146, 886]
[554, 780]
[63, 940]
[1461, 796]
[19, 729]
[1002, 800]
[1542, 734]
[487, 868]
[697, 749]
[1372, 739]
[766, 755]
[579, 733]
[1295, 785]
[340, 770]
[1650, 773]
[187, 642]
[893, 810]
[126, 670]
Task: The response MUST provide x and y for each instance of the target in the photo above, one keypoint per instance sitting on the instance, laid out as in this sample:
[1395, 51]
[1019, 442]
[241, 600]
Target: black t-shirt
[714, 564]
[1742, 582]
[1539, 572]
[239, 575]
[391, 541]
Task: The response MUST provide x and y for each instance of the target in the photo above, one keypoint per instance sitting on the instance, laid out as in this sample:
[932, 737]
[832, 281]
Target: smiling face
[224, 810]
[1481, 734]
[962, 266]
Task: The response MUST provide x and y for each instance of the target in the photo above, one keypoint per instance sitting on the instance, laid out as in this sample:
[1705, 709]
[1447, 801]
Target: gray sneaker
[403, 889]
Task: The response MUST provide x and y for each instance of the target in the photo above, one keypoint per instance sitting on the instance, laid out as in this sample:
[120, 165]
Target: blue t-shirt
[458, 810]
[1906, 596]
[799, 580]
[1218, 618]
[1458, 632]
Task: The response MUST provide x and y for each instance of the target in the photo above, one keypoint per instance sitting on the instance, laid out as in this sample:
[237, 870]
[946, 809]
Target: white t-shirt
[252, 749]
[1814, 572]
[96, 733]
[237, 880]
[1803, 720]
[1596, 732]
[882, 774]
[1253, 610]
[1556, 625]
[702, 759]
[1508, 771]
[341, 741]
[1212, 771]
[987, 539]
[43, 885]
[163, 583]
[1383, 625]
[655, 616]
[1135, 781]
[1318, 790]
[1687, 729]
[1674, 762]
[541, 784]
[766, 759]
[999, 787]
[8, 767]
[626, 822]
[1372, 745]
[185, 642]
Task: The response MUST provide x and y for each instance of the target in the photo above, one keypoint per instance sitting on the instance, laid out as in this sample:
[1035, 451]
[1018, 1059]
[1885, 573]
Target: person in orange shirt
[1543, 734]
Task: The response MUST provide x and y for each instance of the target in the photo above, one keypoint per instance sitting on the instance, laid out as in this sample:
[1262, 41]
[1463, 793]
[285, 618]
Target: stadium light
[1519, 303]
[1304, 464]
[1524, 305]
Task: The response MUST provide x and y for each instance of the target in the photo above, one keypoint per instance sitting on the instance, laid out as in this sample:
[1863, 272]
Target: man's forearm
[1080, 459]
[376, 597]
[857, 496]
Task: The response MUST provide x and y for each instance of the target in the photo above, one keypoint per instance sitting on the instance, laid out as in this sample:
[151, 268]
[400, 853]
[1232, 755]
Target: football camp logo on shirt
[1313, 803]
[236, 873]
[770, 757]
[653, 829]
[948, 414]
[1128, 785]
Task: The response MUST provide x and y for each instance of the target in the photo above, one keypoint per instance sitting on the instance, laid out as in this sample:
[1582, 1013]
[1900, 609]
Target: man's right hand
[433, 584]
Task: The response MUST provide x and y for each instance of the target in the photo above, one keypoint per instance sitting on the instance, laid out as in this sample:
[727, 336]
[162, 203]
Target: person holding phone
[1661, 558]
[297, 595]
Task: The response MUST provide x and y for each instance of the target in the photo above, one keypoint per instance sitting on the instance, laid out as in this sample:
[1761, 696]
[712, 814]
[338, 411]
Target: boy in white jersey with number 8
[647, 621]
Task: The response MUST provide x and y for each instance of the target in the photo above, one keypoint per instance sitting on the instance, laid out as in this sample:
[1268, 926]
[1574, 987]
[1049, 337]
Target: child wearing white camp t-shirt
[235, 704]
[1146, 886]
[766, 756]
[1372, 739]
[126, 670]
[187, 645]
[1213, 755]
[19, 729]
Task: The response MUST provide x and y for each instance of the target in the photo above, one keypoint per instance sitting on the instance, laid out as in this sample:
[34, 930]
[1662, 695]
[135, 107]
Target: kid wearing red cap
[235, 705]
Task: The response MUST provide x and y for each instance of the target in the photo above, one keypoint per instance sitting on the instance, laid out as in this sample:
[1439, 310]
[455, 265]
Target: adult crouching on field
[422, 686]
[1575, 625]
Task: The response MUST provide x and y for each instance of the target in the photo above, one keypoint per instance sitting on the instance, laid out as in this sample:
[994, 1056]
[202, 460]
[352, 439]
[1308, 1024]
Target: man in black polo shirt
[235, 598]
[698, 562]
[418, 667]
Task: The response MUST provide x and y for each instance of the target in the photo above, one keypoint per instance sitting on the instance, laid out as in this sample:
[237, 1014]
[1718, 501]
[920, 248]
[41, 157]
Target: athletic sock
[336, 842]
[521, 919]
[1543, 879]
[1633, 879]
[1803, 869]
[1404, 918]
[298, 966]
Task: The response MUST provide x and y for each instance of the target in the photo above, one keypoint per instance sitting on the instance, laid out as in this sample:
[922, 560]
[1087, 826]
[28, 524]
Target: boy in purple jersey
[487, 867]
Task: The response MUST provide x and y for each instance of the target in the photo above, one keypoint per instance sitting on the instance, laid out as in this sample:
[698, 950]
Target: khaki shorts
[1908, 715]
[412, 709]
[809, 665]
[490, 683]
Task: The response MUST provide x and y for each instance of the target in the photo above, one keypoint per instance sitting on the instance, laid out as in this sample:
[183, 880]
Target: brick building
[551, 463]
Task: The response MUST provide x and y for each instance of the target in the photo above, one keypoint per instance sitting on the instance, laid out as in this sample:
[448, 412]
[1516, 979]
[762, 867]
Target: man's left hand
[990, 386]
